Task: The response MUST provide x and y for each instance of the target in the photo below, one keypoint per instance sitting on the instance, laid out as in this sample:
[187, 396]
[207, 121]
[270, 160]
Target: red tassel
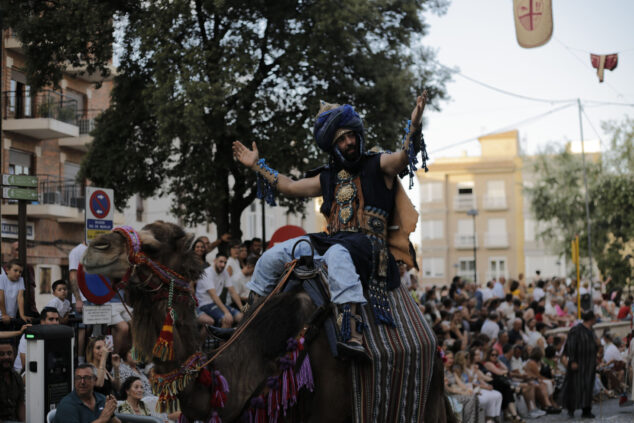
[164, 346]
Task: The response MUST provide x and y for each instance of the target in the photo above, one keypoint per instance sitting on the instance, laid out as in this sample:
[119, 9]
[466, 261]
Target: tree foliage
[558, 202]
[196, 75]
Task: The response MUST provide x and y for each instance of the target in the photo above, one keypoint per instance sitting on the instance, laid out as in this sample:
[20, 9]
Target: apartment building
[46, 133]
[473, 204]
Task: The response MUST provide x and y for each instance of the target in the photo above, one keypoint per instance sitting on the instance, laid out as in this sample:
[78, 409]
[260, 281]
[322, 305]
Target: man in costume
[581, 350]
[359, 192]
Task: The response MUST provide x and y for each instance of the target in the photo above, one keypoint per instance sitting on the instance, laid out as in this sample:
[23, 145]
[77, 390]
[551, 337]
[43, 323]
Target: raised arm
[306, 187]
[392, 164]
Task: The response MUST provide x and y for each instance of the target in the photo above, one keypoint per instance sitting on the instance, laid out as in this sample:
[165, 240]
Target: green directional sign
[19, 194]
[20, 180]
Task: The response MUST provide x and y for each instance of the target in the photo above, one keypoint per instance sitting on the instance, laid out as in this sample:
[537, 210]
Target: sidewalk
[606, 411]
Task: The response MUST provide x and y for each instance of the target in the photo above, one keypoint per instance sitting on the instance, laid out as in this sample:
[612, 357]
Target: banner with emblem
[604, 61]
[533, 22]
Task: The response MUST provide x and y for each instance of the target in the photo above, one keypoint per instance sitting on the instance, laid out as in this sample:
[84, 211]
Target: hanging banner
[604, 61]
[533, 22]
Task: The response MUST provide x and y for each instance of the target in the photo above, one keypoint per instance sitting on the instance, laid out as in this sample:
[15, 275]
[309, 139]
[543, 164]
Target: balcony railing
[464, 202]
[62, 192]
[462, 241]
[496, 202]
[496, 240]
[46, 104]
[86, 120]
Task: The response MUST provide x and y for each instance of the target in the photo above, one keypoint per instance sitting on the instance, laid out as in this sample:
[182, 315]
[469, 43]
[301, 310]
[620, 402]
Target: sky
[478, 38]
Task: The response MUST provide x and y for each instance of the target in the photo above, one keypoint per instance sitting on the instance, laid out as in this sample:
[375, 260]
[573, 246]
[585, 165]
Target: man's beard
[351, 154]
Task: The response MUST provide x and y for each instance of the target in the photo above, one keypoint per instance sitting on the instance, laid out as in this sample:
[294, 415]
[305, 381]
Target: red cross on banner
[533, 22]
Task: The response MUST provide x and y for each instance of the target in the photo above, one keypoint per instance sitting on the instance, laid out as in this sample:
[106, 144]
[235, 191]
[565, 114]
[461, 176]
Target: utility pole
[585, 183]
[474, 213]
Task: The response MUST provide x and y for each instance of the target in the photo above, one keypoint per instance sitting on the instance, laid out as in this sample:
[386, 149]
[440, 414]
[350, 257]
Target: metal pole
[585, 183]
[1, 109]
[22, 252]
[475, 272]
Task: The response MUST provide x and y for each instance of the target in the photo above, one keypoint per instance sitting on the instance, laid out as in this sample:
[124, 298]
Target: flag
[604, 61]
[533, 22]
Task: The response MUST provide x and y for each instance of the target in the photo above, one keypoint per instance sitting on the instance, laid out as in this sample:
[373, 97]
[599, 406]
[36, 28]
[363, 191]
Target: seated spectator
[538, 292]
[129, 368]
[208, 291]
[240, 278]
[11, 387]
[516, 334]
[625, 312]
[458, 391]
[106, 383]
[490, 327]
[59, 302]
[48, 316]
[501, 382]
[612, 366]
[132, 394]
[12, 296]
[544, 386]
[457, 330]
[233, 261]
[467, 376]
[83, 404]
[534, 331]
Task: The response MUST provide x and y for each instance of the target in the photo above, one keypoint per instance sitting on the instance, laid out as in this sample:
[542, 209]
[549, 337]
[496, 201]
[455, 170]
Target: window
[495, 189]
[20, 163]
[434, 267]
[465, 227]
[432, 229]
[465, 188]
[70, 171]
[431, 192]
[466, 268]
[497, 268]
[530, 227]
[496, 226]
[495, 198]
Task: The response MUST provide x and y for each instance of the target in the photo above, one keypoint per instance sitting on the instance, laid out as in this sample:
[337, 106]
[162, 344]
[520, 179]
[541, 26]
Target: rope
[290, 266]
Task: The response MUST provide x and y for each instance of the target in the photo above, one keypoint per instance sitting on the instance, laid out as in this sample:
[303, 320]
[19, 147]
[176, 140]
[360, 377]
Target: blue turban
[341, 117]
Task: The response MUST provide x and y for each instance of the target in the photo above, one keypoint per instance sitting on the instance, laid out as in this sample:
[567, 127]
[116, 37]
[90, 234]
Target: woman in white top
[233, 262]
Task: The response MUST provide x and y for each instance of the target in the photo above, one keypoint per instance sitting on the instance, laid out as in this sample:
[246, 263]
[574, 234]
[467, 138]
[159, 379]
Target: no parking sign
[99, 211]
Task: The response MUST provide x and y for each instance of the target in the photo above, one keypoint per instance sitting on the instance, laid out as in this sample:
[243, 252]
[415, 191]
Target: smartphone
[109, 343]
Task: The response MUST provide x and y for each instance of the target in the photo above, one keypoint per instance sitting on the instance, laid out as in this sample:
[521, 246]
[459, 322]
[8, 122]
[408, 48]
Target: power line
[513, 125]
[583, 110]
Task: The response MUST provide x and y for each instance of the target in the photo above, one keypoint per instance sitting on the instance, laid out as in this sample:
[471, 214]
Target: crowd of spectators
[504, 342]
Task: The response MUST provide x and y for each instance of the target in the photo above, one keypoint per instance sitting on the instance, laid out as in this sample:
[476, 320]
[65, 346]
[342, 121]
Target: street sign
[96, 288]
[20, 180]
[19, 194]
[99, 212]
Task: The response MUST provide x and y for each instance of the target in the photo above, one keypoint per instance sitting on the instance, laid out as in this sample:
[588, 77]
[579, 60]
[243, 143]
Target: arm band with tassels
[412, 146]
[267, 181]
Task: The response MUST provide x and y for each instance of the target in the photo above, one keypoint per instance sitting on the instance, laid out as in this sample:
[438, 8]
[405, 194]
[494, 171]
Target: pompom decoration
[164, 346]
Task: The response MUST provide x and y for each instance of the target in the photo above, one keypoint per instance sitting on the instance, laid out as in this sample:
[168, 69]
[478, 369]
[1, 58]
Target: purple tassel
[182, 418]
[215, 418]
[223, 382]
[305, 375]
[273, 402]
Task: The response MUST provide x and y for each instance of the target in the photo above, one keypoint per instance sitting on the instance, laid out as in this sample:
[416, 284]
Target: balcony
[59, 199]
[495, 202]
[464, 202]
[12, 42]
[86, 122]
[47, 115]
[464, 242]
[496, 240]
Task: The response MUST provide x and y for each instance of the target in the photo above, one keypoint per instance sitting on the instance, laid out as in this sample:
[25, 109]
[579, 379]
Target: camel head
[163, 242]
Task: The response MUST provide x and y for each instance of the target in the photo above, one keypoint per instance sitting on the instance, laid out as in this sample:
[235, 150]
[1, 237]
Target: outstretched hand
[417, 113]
[245, 156]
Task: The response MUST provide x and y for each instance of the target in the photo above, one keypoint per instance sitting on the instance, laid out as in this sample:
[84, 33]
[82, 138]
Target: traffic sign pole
[22, 251]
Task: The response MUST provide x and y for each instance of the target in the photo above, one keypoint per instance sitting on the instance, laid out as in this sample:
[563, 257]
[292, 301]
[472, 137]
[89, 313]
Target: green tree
[557, 201]
[196, 75]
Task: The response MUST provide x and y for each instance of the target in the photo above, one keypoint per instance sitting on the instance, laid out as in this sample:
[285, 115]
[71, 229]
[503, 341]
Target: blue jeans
[343, 280]
[216, 312]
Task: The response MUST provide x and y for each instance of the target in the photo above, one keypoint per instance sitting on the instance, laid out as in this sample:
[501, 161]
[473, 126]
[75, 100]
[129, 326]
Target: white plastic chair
[50, 417]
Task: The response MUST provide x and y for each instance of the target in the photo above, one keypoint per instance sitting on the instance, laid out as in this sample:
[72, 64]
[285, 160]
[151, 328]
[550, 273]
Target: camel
[251, 358]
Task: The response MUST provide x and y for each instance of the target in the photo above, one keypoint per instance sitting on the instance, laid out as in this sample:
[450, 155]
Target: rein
[289, 270]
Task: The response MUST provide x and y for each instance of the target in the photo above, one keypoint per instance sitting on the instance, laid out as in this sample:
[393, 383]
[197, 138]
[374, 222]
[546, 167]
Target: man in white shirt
[487, 292]
[490, 326]
[48, 316]
[208, 291]
[242, 276]
[538, 292]
[612, 352]
[498, 288]
[12, 295]
[77, 298]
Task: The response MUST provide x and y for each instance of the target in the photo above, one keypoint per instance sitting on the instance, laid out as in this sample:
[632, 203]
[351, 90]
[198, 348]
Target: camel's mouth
[96, 268]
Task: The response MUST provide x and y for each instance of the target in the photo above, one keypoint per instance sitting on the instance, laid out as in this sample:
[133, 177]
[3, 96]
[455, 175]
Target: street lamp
[474, 213]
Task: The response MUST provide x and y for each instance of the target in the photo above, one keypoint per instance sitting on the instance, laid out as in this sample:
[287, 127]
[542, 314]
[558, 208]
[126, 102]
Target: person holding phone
[97, 352]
